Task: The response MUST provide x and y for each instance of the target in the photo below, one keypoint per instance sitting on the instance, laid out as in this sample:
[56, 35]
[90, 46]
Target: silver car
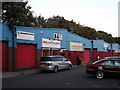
[54, 63]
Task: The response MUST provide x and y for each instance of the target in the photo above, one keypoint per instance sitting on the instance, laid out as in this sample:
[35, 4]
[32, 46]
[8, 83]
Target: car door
[109, 67]
[65, 62]
[59, 62]
[117, 64]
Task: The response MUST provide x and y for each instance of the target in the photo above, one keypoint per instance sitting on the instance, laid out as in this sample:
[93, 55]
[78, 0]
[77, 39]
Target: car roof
[109, 59]
[104, 60]
[53, 56]
[113, 57]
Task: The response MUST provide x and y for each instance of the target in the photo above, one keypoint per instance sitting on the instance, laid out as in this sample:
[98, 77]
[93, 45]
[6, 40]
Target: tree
[105, 36]
[17, 13]
[117, 40]
[40, 21]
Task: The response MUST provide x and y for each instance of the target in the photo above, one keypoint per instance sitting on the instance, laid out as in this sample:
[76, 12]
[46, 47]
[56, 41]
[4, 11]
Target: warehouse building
[22, 47]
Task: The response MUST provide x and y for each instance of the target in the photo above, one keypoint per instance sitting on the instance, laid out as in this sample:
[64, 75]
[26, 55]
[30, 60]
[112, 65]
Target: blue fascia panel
[99, 44]
[40, 33]
[7, 34]
[70, 37]
[115, 46]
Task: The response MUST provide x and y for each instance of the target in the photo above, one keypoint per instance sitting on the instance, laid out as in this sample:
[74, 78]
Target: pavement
[9, 74]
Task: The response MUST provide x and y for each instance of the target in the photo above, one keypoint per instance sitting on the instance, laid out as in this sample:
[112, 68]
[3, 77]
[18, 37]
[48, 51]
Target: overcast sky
[99, 14]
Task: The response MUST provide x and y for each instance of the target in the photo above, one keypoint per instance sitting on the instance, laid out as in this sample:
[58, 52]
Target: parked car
[113, 57]
[104, 67]
[54, 63]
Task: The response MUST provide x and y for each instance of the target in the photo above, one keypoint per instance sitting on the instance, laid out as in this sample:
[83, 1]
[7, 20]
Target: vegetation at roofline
[19, 14]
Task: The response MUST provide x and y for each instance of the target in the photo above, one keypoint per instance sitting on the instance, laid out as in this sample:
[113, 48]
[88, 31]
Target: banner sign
[116, 50]
[75, 46]
[25, 35]
[50, 43]
[105, 46]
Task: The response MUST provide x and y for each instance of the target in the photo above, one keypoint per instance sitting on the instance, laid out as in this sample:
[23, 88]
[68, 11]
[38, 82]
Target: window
[57, 36]
[117, 63]
[108, 63]
[64, 59]
[57, 59]
[45, 59]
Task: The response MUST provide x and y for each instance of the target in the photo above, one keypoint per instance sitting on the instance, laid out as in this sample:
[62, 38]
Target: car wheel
[55, 69]
[99, 74]
[69, 67]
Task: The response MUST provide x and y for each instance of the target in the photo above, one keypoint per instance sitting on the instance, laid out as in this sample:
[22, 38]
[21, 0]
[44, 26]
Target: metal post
[92, 50]
[13, 29]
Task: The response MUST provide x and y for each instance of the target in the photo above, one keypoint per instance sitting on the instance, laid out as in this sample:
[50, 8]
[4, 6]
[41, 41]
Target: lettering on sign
[25, 35]
[50, 43]
[75, 46]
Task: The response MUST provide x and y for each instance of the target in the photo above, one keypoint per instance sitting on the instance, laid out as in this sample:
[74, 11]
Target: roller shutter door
[4, 56]
[25, 56]
[86, 55]
[101, 55]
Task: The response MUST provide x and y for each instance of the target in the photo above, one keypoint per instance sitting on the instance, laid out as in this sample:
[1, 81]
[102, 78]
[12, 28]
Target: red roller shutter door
[4, 56]
[25, 56]
[101, 54]
[87, 55]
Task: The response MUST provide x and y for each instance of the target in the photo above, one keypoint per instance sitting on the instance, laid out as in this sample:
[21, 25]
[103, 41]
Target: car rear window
[51, 59]
[45, 59]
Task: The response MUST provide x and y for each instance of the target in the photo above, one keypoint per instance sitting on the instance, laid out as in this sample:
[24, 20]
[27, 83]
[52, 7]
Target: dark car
[104, 67]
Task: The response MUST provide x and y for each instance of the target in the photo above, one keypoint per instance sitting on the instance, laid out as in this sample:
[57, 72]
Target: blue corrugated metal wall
[6, 34]
[99, 44]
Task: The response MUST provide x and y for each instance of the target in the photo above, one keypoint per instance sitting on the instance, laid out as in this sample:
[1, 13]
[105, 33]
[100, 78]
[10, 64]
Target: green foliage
[105, 36]
[117, 40]
[17, 13]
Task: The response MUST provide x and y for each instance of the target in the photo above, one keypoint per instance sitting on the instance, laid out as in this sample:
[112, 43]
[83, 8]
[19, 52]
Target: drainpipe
[92, 50]
[13, 29]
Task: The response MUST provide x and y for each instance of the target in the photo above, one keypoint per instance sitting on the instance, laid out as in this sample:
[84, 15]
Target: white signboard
[105, 46]
[25, 35]
[50, 43]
